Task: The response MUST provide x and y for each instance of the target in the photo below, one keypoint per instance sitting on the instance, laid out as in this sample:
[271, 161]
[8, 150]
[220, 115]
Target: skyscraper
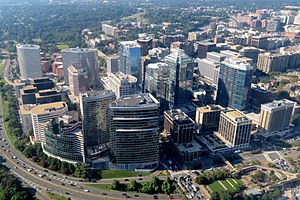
[276, 115]
[180, 77]
[95, 116]
[81, 58]
[234, 83]
[157, 82]
[29, 61]
[131, 59]
[234, 128]
[134, 131]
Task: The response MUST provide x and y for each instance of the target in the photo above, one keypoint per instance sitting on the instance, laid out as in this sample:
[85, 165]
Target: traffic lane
[30, 163]
[43, 184]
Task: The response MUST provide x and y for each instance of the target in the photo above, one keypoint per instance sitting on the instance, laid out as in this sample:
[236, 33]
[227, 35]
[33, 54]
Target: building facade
[131, 59]
[134, 131]
[234, 83]
[29, 60]
[234, 128]
[85, 58]
[180, 77]
[179, 126]
[122, 84]
[95, 116]
[44, 113]
[64, 140]
[78, 80]
[272, 62]
[276, 115]
[208, 117]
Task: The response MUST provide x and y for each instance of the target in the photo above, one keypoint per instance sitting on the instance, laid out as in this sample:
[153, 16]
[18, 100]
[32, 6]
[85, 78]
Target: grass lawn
[216, 187]
[62, 46]
[228, 183]
[106, 174]
[56, 196]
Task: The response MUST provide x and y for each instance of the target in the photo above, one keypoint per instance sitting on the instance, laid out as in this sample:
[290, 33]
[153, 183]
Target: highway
[45, 181]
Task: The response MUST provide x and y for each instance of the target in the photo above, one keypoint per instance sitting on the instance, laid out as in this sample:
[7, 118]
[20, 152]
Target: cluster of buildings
[196, 93]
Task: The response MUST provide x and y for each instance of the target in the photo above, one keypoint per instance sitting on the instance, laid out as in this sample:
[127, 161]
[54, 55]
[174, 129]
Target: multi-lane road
[45, 181]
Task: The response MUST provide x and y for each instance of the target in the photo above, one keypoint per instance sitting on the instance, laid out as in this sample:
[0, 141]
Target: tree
[132, 186]
[155, 184]
[225, 195]
[81, 171]
[215, 196]
[167, 186]
[115, 185]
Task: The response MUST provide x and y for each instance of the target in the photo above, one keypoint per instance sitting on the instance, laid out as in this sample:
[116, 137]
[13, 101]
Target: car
[67, 193]
[86, 190]
[136, 195]
[62, 183]
[103, 193]
[126, 179]
[140, 179]
[124, 194]
[49, 179]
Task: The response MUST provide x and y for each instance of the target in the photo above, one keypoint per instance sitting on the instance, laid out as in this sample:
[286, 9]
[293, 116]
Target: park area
[229, 184]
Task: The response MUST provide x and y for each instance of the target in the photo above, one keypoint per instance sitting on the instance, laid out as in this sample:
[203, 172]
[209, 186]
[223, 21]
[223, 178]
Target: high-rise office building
[64, 140]
[276, 115]
[81, 58]
[29, 61]
[208, 117]
[180, 77]
[180, 126]
[234, 128]
[234, 83]
[78, 80]
[95, 116]
[121, 84]
[209, 67]
[131, 59]
[44, 113]
[134, 131]
[156, 81]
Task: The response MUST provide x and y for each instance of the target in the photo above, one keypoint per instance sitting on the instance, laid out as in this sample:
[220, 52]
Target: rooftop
[27, 46]
[49, 107]
[135, 100]
[237, 63]
[210, 108]
[235, 115]
[130, 44]
[156, 65]
[94, 93]
[179, 116]
[278, 103]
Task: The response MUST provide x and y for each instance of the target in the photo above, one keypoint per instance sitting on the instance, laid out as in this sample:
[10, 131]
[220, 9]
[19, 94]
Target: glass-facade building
[234, 83]
[156, 82]
[64, 141]
[131, 59]
[134, 132]
[180, 77]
